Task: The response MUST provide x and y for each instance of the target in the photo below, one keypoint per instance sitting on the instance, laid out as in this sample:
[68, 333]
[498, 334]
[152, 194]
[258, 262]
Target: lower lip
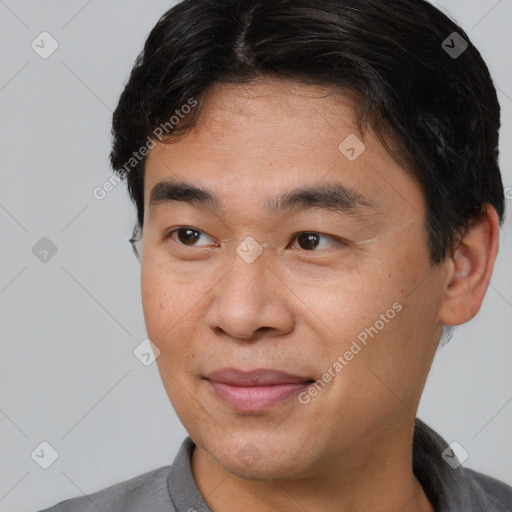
[256, 398]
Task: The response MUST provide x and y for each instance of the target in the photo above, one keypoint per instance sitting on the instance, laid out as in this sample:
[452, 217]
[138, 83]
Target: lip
[255, 390]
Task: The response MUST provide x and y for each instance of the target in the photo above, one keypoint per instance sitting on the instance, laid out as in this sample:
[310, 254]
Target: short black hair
[436, 111]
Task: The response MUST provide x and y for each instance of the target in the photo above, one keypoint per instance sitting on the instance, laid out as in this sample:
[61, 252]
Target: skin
[298, 309]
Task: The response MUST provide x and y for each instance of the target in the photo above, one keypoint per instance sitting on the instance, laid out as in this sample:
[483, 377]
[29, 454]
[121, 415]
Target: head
[360, 157]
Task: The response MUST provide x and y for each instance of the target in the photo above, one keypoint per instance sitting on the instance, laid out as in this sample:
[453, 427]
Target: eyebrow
[329, 196]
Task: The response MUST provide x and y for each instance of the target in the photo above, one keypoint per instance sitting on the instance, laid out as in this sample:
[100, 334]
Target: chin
[265, 462]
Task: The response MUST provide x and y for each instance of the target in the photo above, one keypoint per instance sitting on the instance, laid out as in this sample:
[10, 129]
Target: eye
[187, 236]
[307, 240]
[310, 240]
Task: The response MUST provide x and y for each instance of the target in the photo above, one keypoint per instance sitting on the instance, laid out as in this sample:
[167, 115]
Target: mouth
[256, 390]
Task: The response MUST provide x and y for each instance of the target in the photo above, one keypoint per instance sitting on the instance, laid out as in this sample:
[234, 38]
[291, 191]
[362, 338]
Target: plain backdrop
[70, 324]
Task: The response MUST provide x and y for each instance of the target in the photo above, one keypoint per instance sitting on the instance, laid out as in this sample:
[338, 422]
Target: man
[318, 195]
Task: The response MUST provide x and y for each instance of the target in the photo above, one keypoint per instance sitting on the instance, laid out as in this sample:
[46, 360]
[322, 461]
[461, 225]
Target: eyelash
[170, 234]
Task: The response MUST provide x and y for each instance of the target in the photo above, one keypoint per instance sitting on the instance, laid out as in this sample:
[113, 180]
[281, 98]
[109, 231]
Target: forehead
[286, 99]
[253, 141]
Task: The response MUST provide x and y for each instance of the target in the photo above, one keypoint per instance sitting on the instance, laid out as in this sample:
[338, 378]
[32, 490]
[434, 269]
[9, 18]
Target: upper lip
[256, 377]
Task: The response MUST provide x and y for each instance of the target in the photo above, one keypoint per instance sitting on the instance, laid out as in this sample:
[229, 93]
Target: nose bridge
[244, 301]
[245, 284]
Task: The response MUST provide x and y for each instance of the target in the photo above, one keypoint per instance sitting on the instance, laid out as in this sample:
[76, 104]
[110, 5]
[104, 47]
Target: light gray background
[69, 326]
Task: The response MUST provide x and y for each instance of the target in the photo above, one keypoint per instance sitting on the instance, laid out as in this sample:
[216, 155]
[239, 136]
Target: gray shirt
[450, 487]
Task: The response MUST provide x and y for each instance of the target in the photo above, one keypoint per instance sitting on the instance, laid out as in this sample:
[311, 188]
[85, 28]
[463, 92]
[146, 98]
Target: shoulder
[148, 491]
[449, 485]
[497, 493]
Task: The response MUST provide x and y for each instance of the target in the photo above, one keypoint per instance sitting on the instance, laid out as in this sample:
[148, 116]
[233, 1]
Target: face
[334, 287]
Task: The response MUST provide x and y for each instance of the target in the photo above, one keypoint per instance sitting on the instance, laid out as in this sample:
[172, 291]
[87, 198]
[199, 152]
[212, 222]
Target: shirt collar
[184, 492]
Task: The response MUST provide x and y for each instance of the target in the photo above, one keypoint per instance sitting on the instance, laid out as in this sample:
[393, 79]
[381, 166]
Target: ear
[469, 269]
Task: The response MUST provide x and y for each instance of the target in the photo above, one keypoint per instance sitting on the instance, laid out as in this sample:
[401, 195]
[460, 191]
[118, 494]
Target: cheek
[165, 298]
[389, 309]
[156, 303]
[398, 337]
[170, 328]
[348, 303]
[172, 314]
[162, 313]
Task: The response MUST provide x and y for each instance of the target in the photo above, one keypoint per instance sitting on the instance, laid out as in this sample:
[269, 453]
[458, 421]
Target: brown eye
[310, 240]
[188, 236]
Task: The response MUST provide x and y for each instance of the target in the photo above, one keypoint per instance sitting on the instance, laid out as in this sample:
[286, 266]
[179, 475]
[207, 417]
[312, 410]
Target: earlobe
[469, 269]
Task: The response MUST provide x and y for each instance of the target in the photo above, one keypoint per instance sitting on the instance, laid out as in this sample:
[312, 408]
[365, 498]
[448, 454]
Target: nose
[250, 301]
